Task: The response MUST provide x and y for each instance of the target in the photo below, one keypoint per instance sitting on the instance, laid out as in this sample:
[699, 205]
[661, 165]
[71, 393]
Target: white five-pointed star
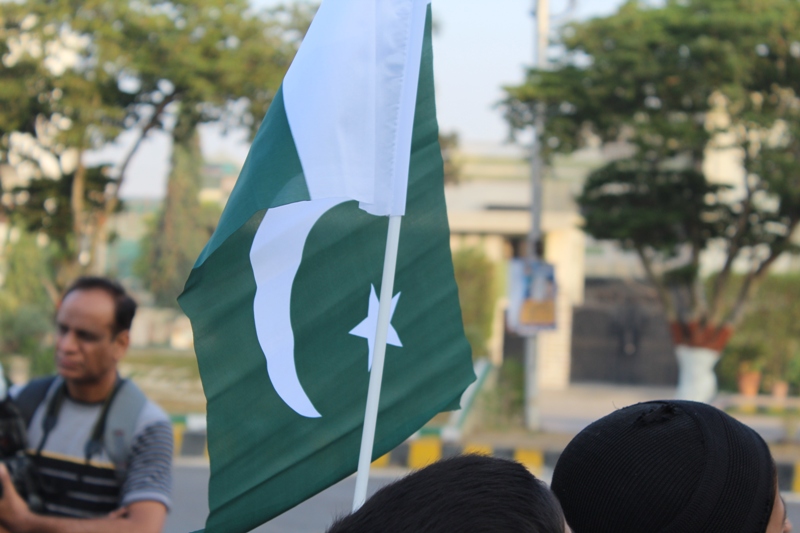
[369, 325]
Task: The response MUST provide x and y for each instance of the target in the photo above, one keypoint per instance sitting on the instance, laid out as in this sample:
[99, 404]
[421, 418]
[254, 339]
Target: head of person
[93, 325]
[469, 493]
[669, 467]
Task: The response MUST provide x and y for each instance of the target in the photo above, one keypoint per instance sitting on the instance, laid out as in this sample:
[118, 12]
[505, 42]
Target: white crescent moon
[275, 255]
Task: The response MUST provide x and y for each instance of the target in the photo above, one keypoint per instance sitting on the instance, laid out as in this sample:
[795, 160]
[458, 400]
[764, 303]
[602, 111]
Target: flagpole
[376, 374]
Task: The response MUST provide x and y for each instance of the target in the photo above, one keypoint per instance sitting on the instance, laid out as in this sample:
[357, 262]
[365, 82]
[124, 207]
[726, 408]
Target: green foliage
[768, 338]
[738, 357]
[512, 381]
[26, 309]
[502, 403]
[23, 327]
[48, 209]
[138, 57]
[25, 268]
[124, 66]
[647, 71]
[666, 82]
[452, 169]
[183, 227]
[475, 277]
[640, 205]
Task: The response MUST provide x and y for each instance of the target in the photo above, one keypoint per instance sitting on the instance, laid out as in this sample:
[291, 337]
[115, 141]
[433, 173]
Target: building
[490, 208]
[217, 181]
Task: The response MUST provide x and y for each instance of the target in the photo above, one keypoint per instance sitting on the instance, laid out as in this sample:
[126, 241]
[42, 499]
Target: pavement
[564, 413]
[190, 502]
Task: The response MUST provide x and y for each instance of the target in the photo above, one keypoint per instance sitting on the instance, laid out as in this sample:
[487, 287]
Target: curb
[789, 476]
[413, 454]
[188, 443]
[419, 453]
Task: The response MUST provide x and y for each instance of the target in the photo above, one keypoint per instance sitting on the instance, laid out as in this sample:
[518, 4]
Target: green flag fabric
[285, 351]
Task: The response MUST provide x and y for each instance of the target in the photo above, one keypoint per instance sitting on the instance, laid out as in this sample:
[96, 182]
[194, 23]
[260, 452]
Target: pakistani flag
[283, 299]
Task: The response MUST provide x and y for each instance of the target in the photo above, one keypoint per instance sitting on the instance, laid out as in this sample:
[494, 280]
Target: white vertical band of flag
[350, 98]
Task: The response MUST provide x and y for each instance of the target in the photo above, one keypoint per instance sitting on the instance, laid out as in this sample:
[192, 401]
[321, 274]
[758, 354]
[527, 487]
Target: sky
[481, 45]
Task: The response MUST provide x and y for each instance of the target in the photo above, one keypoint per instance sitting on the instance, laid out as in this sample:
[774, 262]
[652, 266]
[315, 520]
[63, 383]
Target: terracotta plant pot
[749, 382]
[780, 390]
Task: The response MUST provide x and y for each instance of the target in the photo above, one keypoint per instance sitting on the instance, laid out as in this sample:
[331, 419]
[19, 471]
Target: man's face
[86, 348]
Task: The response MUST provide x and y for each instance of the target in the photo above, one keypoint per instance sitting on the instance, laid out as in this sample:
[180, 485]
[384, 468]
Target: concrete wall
[564, 248]
[493, 214]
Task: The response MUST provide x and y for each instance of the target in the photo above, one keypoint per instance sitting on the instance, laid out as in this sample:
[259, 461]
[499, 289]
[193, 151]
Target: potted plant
[778, 352]
[749, 379]
[780, 389]
[751, 365]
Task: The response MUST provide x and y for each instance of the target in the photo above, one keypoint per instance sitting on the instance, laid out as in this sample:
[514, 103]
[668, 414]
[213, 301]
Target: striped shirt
[71, 486]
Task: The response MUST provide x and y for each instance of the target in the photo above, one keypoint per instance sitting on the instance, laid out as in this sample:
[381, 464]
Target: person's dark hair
[124, 305]
[469, 493]
[666, 466]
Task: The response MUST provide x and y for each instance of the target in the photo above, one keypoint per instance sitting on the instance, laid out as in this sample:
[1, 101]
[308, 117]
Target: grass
[501, 406]
[168, 377]
[183, 363]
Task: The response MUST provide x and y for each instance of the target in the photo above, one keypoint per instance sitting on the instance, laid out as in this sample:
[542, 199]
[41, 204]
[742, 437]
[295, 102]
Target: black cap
[666, 467]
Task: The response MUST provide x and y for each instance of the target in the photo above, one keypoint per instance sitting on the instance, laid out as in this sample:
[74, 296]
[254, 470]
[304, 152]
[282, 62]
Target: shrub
[475, 276]
[769, 335]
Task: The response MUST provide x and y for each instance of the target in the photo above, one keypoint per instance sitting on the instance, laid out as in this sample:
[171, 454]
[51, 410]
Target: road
[312, 516]
[190, 503]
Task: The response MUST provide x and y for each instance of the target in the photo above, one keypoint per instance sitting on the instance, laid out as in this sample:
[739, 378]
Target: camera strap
[95, 443]
[51, 416]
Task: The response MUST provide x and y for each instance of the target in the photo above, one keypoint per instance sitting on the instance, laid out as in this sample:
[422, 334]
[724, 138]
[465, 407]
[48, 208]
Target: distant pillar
[564, 248]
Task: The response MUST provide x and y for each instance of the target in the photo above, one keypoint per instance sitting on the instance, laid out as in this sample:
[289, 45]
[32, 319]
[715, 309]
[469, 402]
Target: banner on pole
[532, 293]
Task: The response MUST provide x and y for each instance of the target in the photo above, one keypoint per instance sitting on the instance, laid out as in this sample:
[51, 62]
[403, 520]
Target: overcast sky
[481, 46]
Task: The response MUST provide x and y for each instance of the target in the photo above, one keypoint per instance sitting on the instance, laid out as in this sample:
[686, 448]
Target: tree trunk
[99, 247]
[697, 348]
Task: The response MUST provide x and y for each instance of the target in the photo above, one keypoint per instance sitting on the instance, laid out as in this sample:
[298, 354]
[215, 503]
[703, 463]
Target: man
[102, 450]
[672, 467]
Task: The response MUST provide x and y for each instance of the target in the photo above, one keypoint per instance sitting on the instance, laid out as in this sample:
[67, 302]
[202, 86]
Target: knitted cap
[666, 467]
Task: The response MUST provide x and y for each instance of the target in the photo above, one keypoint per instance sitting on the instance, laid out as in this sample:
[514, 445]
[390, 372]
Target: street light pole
[542, 15]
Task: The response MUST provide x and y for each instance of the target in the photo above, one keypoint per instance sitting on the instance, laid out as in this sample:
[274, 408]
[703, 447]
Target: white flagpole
[376, 374]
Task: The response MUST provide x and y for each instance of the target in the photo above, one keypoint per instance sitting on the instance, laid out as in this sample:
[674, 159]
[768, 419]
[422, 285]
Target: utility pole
[535, 245]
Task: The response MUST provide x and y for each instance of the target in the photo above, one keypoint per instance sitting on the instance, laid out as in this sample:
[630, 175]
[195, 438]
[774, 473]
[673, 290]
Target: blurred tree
[26, 309]
[24, 266]
[452, 168]
[78, 74]
[667, 88]
[44, 207]
[183, 226]
[772, 326]
[475, 277]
